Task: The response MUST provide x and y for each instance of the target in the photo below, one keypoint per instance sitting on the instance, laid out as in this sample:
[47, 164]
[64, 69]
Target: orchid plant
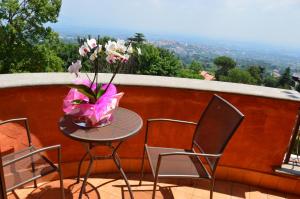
[115, 54]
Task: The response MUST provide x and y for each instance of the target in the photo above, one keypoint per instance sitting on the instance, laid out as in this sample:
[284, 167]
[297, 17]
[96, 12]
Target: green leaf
[86, 91]
[98, 87]
[100, 92]
[78, 101]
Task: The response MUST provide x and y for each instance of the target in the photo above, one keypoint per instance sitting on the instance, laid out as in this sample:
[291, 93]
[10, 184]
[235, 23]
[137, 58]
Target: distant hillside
[204, 50]
[205, 53]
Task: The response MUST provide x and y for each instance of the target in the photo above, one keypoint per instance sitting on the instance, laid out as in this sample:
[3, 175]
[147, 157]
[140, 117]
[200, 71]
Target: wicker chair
[213, 131]
[27, 165]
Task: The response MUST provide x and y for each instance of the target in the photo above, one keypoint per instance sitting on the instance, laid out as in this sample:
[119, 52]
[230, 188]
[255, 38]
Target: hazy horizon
[254, 21]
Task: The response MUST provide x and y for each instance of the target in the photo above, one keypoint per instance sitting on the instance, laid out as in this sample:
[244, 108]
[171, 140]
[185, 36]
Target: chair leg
[212, 185]
[60, 173]
[142, 167]
[35, 184]
[154, 187]
[61, 184]
[33, 170]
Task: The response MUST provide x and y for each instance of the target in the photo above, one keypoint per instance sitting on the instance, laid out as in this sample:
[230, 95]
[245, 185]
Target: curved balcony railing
[256, 149]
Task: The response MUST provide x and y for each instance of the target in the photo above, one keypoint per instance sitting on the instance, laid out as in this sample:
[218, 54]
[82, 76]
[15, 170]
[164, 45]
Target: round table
[124, 124]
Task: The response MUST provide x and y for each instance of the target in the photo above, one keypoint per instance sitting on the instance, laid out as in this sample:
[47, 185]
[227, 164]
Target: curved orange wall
[258, 145]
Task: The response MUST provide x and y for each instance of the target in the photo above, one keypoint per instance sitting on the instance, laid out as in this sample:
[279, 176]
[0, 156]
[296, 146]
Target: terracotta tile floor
[111, 186]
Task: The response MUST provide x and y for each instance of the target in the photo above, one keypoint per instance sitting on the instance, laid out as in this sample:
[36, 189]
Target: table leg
[79, 166]
[118, 164]
[87, 172]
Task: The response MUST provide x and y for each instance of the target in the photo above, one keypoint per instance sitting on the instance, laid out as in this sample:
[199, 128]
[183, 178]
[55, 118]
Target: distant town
[275, 60]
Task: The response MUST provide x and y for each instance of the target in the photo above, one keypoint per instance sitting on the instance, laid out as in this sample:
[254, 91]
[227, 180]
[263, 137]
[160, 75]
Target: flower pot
[86, 114]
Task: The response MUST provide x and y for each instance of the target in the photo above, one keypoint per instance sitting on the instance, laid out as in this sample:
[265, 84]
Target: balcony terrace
[246, 170]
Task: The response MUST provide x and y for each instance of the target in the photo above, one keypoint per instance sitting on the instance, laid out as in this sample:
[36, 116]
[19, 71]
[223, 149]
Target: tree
[270, 81]
[225, 64]
[68, 52]
[158, 61]
[286, 81]
[196, 66]
[188, 73]
[25, 42]
[257, 72]
[138, 38]
[238, 76]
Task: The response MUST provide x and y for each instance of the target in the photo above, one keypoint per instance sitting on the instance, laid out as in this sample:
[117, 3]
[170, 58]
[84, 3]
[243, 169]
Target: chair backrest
[216, 126]
[2, 181]
[293, 139]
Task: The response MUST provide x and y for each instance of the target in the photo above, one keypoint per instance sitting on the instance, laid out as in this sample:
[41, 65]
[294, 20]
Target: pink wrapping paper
[93, 113]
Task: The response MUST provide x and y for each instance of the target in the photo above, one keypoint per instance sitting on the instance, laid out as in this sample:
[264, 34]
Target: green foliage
[86, 90]
[225, 64]
[138, 38]
[25, 42]
[68, 52]
[286, 81]
[191, 71]
[270, 81]
[105, 39]
[257, 73]
[239, 76]
[196, 66]
[93, 95]
[188, 73]
[158, 61]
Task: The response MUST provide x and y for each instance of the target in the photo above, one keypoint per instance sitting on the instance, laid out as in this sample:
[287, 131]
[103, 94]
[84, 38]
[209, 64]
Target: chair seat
[175, 165]
[19, 172]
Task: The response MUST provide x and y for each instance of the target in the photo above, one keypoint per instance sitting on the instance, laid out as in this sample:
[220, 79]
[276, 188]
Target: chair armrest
[191, 154]
[54, 147]
[13, 120]
[25, 120]
[170, 120]
[164, 120]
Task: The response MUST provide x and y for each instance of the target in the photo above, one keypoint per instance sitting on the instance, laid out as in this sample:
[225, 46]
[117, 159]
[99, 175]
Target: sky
[274, 22]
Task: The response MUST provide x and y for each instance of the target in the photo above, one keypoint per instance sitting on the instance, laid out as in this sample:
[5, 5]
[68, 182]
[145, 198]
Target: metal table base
[113, 155]
[124, 124]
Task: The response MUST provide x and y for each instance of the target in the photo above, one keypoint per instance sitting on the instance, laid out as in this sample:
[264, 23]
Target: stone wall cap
[37, 79]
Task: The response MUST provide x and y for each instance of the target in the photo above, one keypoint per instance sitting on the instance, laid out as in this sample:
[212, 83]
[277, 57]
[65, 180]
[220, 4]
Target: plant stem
[96, 71]
[93, 80]
[112, 78]
[95, 77]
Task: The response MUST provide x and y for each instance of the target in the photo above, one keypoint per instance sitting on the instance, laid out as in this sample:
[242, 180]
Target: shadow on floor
[51, 190]
[111, 186]
[143, 193]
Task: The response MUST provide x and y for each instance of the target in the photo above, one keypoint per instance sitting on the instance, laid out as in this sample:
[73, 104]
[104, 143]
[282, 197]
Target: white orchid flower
[75, 67]
[130, 49]
[121, 46]
[92, 43]
[111, 58]
[116, 51]
[95, 53]
[93, 56]
[110, 46]
[84, 49]
[139, 51]
[99, 48]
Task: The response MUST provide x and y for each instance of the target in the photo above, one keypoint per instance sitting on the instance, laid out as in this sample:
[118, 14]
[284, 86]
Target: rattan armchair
[27, 165]
[213, 131]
